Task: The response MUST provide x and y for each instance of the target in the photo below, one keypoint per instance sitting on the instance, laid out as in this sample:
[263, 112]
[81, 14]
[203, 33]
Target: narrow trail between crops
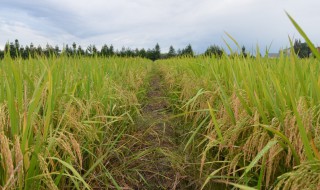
[162, 162]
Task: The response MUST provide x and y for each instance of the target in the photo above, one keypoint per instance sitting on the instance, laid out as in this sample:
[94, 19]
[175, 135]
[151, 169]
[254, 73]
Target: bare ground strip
[163, 164]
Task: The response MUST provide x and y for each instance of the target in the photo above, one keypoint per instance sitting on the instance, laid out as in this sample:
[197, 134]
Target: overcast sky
[143, 23]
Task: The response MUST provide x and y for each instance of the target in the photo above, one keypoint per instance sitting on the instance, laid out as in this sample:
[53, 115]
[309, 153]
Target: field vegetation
[205, 122]
[62, 120]
[250, 121]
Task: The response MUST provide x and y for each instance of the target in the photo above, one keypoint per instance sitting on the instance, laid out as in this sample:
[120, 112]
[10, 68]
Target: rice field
[251, 122]
[62, 120]
[73, 123]
[181, 123]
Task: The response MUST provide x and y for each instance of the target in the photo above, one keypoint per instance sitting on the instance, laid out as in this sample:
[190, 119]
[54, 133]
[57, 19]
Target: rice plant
[63, 120]
[247, 121]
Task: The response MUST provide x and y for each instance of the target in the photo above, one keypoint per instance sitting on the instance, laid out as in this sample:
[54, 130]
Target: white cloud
[143, 23]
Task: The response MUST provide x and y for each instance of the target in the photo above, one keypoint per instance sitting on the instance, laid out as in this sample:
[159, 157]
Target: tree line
[14, 49]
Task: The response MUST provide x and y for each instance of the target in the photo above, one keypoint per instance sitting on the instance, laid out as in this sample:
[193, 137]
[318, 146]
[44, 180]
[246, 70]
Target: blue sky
[143, 23]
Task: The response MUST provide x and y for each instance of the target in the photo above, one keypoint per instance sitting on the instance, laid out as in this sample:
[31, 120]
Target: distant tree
[243, 51]
[157, 52]
[32, 51]
[68, 51]
[49, 51]
[81, 51]
[7, 48]
[1, 54]
[90, 50]
[142, 53]
[74, 48]
[16, 47]
[188, 51]
[56, 50]
[39, 50]
[25, 53]
[172, 52]
[21, 51]
[122, 52]
[104, 50]
[108, 51]
[126, 52]
[136, 52]
[150, 54]
[11, 49]
[95, 50]
[111, 50]
[129, 52]
[179, 52]
[214, 51]
[301, 49]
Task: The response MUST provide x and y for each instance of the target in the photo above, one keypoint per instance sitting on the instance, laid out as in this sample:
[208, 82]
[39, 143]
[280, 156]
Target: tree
[11, 49]
[157, 52]
[214, 51]
[301, 49]
[111, 50]
[129, 52]
[21, 51]
[80, 51]
[56, 50]
[172, 52]
[179, 52]
[17, 47]
[91, 50]
[26, 52]
[1, 54]
[49, 51]
[243, 51]
[188, 51]
[108, 51]
[104, 50]
[68, 51]
[74, 48]
[150, 54]
[142, 53]
[123, 52]
[32, 51]
[39, 50]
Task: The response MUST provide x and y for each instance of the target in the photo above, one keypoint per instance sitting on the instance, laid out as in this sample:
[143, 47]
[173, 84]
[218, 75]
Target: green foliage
[107, 51]
[64, 121]
[157, 52]
[222, 125]
[301, 49]
[187, 51]
[306, 38]
[214, 51]
[172, 52]
[243, 51]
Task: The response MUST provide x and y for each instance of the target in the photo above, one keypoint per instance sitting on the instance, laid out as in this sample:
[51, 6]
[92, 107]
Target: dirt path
[163, 164]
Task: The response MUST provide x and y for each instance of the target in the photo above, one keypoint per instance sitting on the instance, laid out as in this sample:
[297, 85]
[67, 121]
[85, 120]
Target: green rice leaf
[304, 35]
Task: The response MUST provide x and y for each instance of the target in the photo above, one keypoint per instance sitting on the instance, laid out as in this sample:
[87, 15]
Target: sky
[143, 23]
